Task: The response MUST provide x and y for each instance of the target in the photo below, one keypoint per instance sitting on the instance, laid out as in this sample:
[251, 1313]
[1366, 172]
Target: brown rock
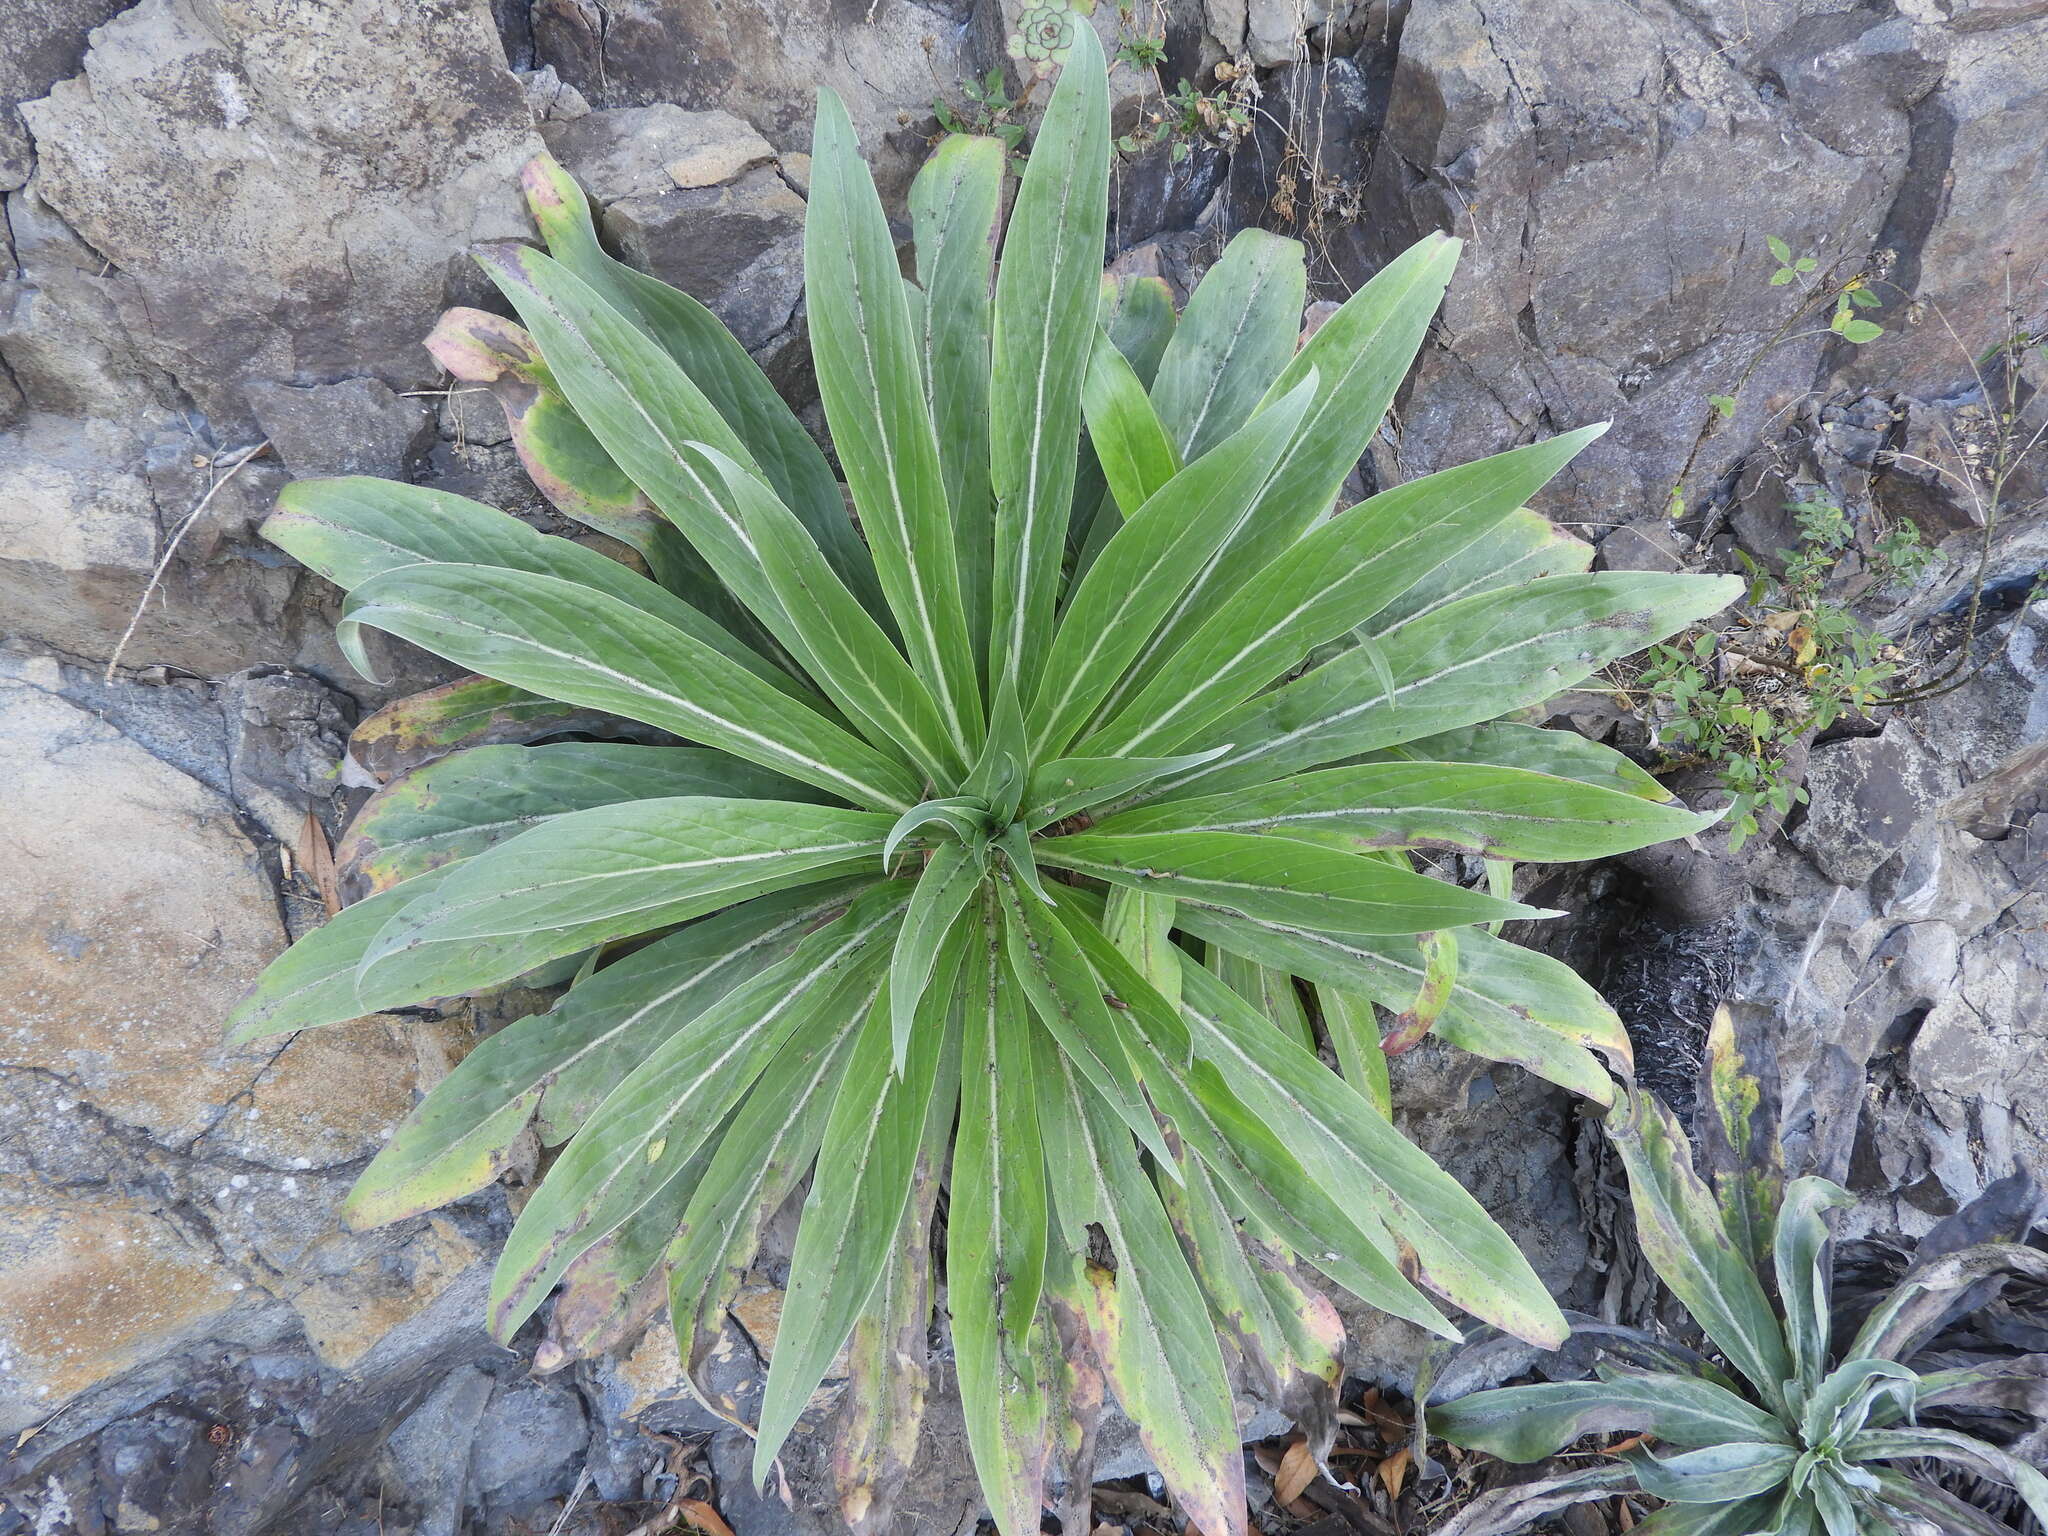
[135, 913]
[90, 1290]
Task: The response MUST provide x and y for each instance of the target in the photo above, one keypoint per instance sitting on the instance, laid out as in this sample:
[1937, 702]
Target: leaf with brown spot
[618, 1283]
[473, 712]
[1439, 976]
[555, 448]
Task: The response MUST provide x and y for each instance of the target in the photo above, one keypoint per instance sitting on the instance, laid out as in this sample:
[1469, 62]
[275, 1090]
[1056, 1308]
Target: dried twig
[170, 549]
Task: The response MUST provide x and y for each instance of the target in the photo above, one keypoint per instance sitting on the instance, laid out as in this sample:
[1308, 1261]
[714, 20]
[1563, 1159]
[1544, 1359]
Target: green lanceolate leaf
[1271, 992]
[1948, 1513]
[1358, 359]
[638, 403]
[853, 1217]
[1680, 1229]
[1506, 1003]
[1076, 1390]
[1055, 975]
[871, 381]
[644, 1134]
[770, 1145]
[1354, 1032]
[1778, 1513]
[1323, 1226]
[1152, 1327]
[1067, 786]
[1413, 1023]
[1136, 455]
[1141, 928]
[1840, 1403]
[1137, 315]
[583, 647]
[1276, 879]
[875, 1434]
[1742, 1143]
[715, 362]
[953, 208]
[1343, 1142]
[613, 871]
[852, 656]
[615, 1284]
[996, 1238]
[997, 779]
[964, 815]
[1565, 754]
[1290, 1339]
[1146, 566]
[354, 528]
[1523, 546]
[564, 1062]
[1467, 662]
[949, 882]
[1714, 1474]
[1044, 319]
[1502, 813]
[1322, 585]
[1138, 1007]
[472, 800]
[314, 982]
[1526, 1424]
[1239, 332]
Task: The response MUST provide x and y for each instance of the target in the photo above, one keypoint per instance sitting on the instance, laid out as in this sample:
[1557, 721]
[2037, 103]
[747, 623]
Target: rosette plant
[1777, 1431]
[911, 816]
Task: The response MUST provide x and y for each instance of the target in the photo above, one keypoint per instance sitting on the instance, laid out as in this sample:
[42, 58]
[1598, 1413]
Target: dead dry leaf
[703, 1517]
[316, 858]
[1393, 1472]
[1297, 1471]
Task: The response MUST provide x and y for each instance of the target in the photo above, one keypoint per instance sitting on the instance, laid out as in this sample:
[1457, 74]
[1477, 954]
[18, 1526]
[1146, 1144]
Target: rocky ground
[230, 222]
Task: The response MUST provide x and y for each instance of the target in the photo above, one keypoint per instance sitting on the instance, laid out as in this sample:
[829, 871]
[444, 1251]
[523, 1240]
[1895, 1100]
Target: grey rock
[738, 247]
[731, 1454]
[765, 64]
[171, 1268]
[1613, 177]
[327, 188]
[1158, 192]
[286, 733]
[41, 42]
[1963, 220]
[537, 1435]
[62, 334]
[1868, 796]
[472, 417]
[355, 427]
[550, 97]
[645, 151]
[1648, 544]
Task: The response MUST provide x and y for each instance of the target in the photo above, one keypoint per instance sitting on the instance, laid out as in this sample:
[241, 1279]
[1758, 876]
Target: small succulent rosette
[1045, 33]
